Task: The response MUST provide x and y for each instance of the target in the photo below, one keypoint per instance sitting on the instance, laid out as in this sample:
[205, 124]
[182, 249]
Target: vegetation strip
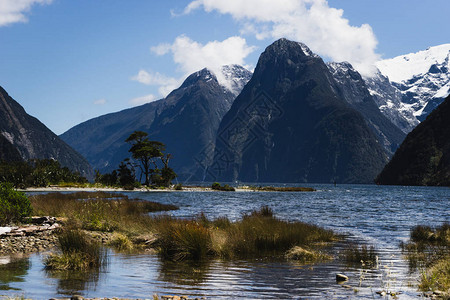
[429, 251]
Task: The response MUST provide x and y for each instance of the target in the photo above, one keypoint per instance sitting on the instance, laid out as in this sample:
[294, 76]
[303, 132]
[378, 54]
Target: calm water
[379, 216]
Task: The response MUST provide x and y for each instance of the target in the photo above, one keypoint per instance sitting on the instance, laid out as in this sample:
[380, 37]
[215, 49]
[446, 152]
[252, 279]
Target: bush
[14, 205]
[216, 186]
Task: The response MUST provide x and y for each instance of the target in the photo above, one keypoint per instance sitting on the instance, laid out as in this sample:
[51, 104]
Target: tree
[126, 174]
[146, 152]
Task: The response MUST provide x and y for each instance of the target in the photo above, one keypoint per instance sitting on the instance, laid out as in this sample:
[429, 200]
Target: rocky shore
[35, 237]
[155, 297]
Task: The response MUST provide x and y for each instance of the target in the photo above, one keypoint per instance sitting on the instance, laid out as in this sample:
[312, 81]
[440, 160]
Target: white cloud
[166, 84]
[142, 100]
[100, 102]
[313, 22]
[191, 56]
[13, 11]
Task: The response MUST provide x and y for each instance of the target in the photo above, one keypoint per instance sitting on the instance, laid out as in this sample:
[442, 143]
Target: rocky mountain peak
[204, 75]
[234, 77]
[423, 78]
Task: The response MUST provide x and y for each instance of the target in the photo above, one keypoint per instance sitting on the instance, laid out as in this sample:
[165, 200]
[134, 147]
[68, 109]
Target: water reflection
[75, 282]
[379, 216]
[13, 269]
[190, 273]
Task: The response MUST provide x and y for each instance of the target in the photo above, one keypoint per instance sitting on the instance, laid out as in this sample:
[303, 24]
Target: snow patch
[443, 91]
[405, 67]
[8, 136]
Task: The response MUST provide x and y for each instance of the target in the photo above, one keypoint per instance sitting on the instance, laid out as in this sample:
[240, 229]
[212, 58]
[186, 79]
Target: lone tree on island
[148, 153]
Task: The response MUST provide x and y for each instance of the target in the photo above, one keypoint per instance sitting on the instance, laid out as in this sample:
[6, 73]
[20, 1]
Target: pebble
[28, 239]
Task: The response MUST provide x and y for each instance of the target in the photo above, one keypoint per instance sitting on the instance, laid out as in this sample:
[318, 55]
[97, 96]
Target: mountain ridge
[289, 125]
[33, 140]
[424, 156]
[198, 104]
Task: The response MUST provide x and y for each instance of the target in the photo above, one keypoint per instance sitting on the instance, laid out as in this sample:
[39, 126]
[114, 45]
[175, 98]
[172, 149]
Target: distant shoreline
[184, 189]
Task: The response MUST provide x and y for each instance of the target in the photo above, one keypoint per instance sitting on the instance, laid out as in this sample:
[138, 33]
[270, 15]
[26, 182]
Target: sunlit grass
[361, 255]
[78, 252]
[429, 251]
[99, 211]
[256, 234]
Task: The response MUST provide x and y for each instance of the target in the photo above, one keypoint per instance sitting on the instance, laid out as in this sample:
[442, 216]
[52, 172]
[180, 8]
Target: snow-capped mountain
[389, 100]
[186, 121]
[423, 79]
[232, 77]
[354, 90]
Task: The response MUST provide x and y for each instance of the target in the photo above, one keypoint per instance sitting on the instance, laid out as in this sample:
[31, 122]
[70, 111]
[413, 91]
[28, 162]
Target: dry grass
[99, 210]
[78, 252]
[364, 255]
[283, 189]
[429, 250]
[257, 234]
[302, 255]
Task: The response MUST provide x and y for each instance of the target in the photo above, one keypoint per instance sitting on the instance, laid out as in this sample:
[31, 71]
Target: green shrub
[218, 187]
[14, 205]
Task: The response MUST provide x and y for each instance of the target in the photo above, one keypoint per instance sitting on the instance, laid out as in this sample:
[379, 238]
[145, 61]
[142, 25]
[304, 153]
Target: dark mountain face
[289, 124]
[352, 88]
[424, 156]
[189, 121]
[7, 150]
[186, 121]
[25, 136]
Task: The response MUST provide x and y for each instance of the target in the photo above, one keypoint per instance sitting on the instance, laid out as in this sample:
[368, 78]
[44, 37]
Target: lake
[374, 215]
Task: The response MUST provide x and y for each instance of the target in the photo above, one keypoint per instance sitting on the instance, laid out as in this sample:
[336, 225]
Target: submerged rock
[341, 277]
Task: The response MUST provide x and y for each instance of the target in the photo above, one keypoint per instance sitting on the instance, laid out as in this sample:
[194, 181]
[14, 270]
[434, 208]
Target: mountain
[353, 89]
[389, 100]
[291, 123]
[102, 140]
[23, 137]
[422, 78]
[186, 121]
[424, 156]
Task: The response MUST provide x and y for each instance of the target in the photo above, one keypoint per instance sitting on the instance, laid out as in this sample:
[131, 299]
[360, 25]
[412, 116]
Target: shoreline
[111, 189]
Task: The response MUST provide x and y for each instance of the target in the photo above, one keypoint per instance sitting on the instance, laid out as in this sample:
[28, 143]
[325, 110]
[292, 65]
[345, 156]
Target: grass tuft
[429, 250]
[99, 211]
[364, 255]
[257, 234]
[302, 255]
[78, 252]
[121, 242]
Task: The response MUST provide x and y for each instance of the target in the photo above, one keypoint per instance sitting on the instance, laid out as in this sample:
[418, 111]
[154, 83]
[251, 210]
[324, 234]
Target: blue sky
[68, 61]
